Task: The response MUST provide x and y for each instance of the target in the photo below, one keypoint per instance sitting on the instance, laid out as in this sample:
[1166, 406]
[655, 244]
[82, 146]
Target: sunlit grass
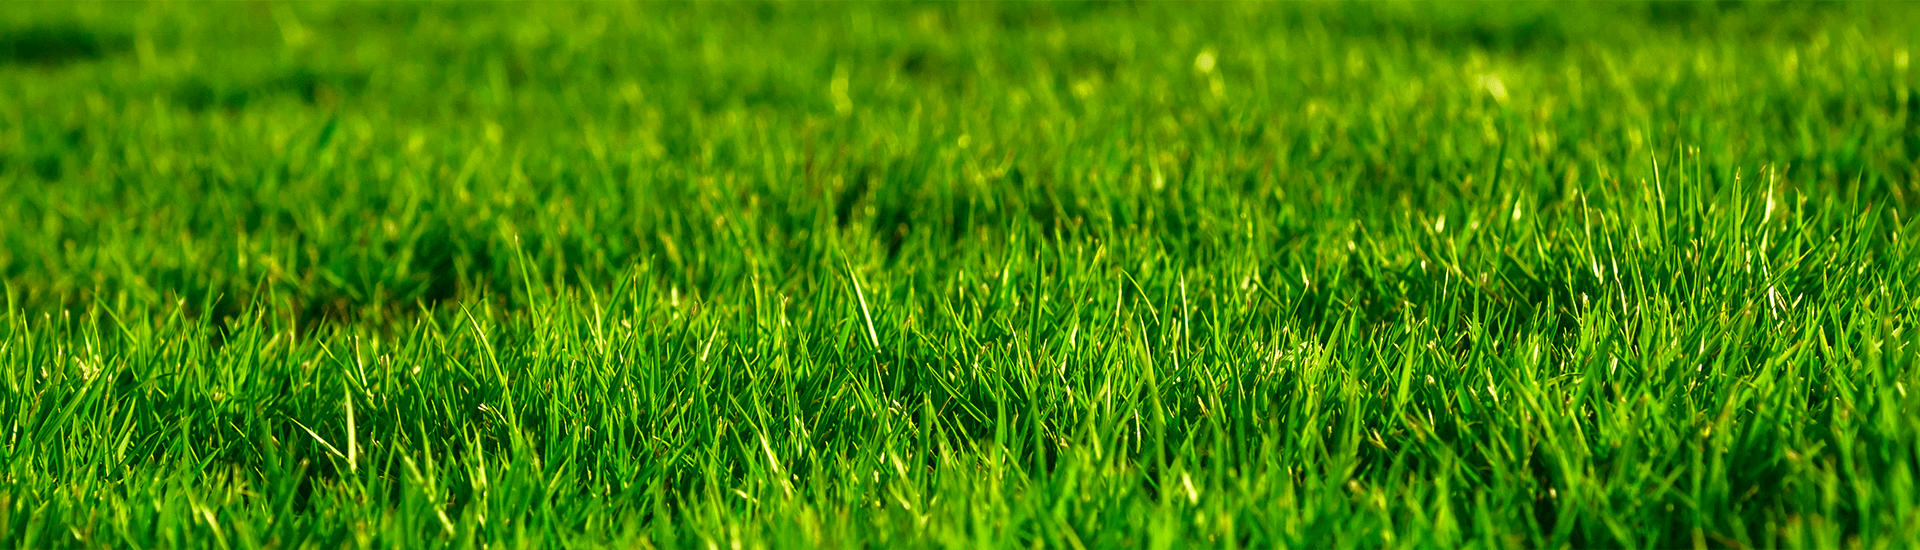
[967, 275]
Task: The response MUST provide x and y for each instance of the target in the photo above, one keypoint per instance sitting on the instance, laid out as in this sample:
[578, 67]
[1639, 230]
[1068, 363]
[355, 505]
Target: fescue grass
[299, 275]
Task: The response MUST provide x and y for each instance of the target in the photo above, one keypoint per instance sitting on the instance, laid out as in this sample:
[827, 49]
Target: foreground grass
[965, 276]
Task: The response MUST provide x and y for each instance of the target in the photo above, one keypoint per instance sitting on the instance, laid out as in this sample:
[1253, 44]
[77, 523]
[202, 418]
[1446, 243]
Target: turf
[300, 275]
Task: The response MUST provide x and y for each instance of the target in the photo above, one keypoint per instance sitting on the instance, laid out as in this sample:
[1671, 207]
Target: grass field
[1408, 275]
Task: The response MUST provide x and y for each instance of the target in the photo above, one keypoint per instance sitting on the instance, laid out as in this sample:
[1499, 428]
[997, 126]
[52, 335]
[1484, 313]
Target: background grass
[959, 275]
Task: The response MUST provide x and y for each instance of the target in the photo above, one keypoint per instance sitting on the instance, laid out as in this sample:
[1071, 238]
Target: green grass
[300, 275]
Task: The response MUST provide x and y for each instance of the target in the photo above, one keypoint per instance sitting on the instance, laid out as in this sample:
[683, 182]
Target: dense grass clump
[959, 275]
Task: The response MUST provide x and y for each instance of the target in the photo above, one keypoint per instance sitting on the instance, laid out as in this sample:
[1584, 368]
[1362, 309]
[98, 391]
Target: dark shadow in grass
[313, 87]
[1686, 13]
[1520, 27]
[1027, 16]
[53, 45]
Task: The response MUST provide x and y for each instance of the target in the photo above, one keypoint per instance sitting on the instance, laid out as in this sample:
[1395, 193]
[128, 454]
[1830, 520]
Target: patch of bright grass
[959, 275]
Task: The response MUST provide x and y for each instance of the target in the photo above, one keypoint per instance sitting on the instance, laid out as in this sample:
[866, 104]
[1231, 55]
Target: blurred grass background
[360, 159]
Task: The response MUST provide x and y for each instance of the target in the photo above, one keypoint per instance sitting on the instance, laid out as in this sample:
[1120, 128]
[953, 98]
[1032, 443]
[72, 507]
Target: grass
[302, 275]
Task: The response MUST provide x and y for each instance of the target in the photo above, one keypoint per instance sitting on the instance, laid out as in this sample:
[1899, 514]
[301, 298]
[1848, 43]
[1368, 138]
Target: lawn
[959, 275]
